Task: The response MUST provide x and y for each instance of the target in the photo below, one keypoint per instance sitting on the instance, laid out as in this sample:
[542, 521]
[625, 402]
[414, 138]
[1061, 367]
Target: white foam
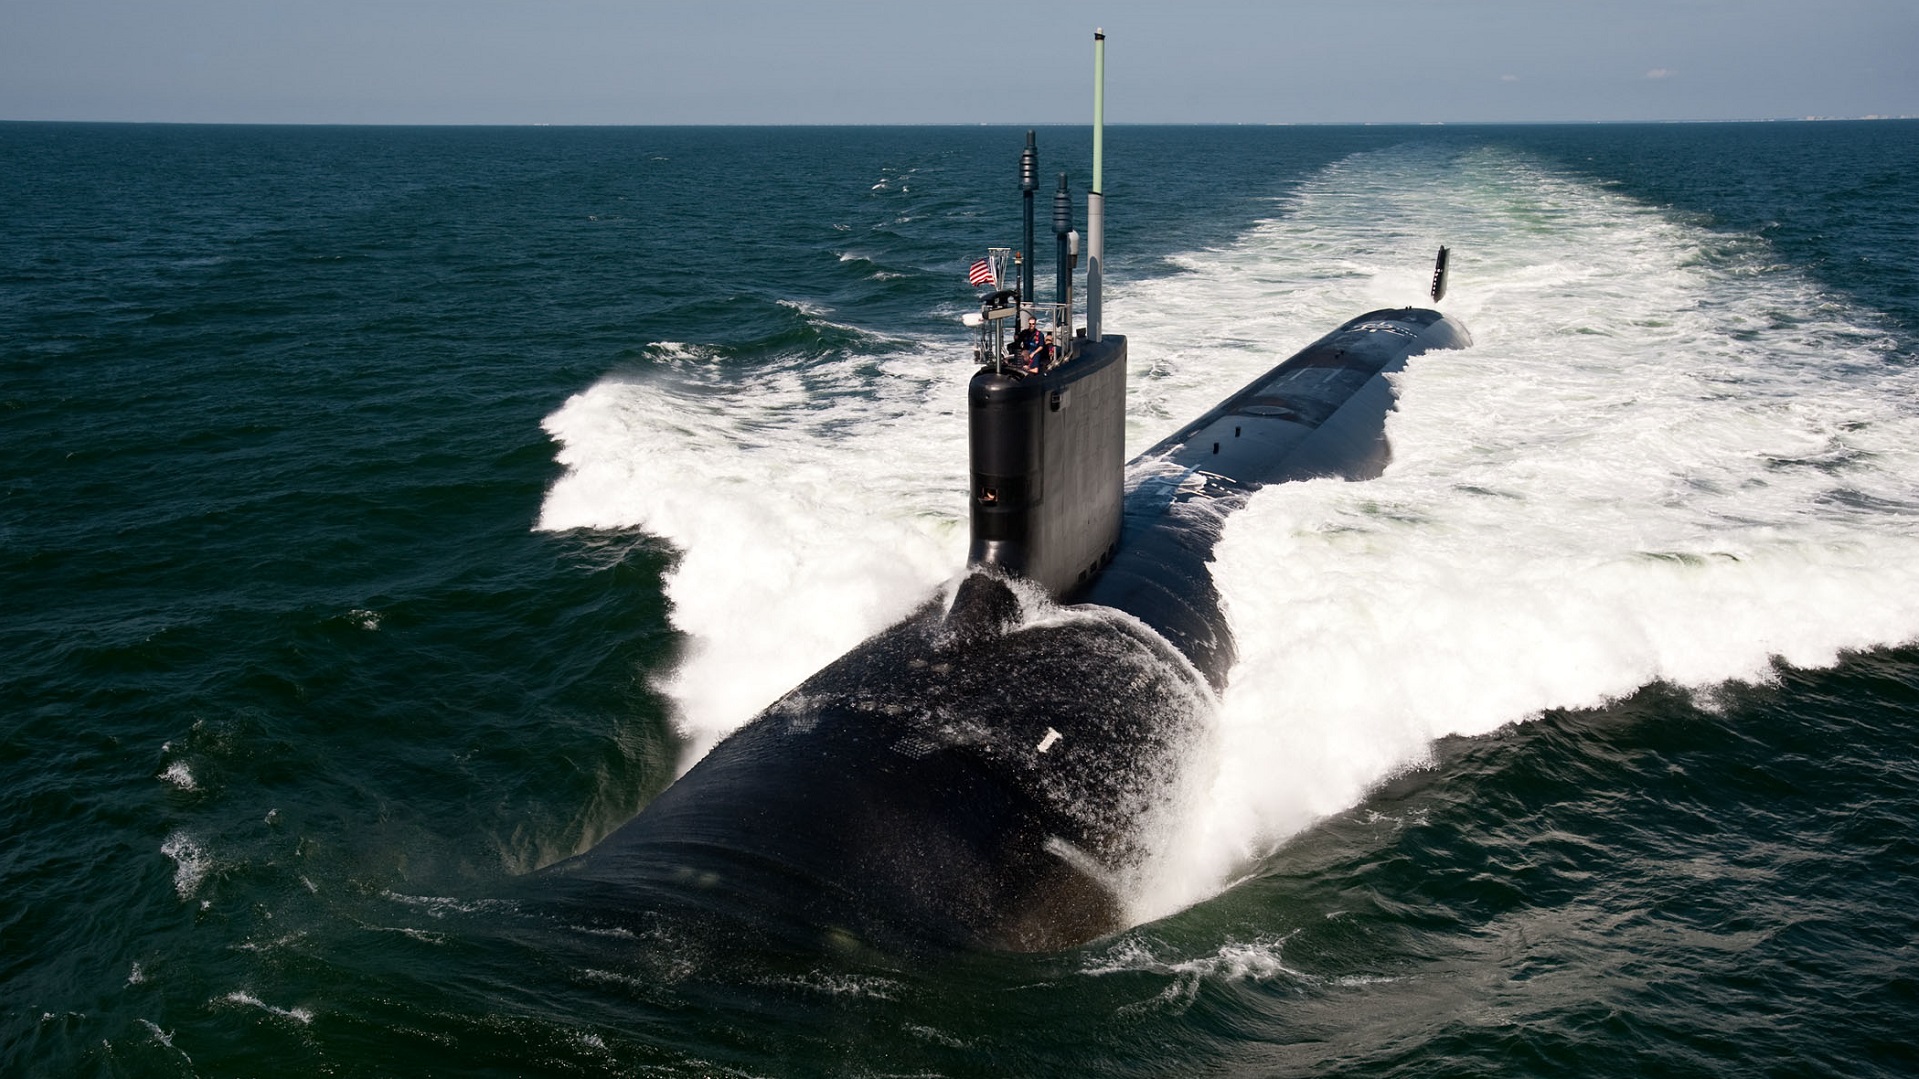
[178, 774]
[1234, 961]
[437, 906]
[420, 935]
[838, 985]
[1664, 458]
[1647, 468]
[811, 506]
[589, 1041]
[276, 943]
[190, 863]
[302, 1016]
[163, 1037]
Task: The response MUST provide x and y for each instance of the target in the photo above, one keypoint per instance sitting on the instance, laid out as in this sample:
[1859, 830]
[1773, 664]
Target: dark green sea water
[387, 513]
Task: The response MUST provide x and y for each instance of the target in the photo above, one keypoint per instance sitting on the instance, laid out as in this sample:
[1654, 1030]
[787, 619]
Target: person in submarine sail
[999, 770]
[1031, 347]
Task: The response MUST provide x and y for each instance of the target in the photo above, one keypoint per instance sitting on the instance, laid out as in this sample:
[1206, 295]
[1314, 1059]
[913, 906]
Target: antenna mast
[1096, 198]
[1028, 183]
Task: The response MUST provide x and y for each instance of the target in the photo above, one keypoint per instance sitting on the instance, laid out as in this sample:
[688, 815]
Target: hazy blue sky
[868, 61]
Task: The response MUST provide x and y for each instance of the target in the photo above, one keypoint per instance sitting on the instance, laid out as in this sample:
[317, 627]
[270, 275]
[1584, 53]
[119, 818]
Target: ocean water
[387, 513]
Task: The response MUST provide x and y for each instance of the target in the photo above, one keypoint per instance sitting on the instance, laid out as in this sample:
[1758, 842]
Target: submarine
[993, 771]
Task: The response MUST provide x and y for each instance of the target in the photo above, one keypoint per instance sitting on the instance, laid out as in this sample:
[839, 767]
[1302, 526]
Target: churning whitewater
[1666, 459]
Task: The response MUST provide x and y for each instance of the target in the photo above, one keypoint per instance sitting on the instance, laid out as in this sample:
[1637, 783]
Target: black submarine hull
[948, 785]
[991, 771]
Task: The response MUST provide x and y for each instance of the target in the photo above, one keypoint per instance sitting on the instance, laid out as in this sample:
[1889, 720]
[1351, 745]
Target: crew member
[1029, 345]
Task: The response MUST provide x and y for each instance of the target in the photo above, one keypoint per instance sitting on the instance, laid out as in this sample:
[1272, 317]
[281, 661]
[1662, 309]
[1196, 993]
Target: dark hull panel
[1321, 413]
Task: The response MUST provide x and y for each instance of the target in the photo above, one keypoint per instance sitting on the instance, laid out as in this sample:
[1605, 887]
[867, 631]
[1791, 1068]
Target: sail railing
[998, 341]
[1055, 323]
[1002, 312]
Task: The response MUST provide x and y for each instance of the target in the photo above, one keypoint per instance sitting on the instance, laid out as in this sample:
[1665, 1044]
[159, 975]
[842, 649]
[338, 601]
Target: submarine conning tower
[1046, 411]
[1048, 457]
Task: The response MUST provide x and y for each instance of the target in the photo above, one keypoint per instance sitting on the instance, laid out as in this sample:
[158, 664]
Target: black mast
[1028, 184]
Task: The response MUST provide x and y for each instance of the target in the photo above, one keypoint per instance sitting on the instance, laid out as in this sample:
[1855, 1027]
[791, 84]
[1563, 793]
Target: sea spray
[1652, 467]
[1658, 463]
[805, 520]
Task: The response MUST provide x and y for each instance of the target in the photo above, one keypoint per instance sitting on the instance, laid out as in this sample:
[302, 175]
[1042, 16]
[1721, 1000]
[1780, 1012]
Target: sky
[916, 62]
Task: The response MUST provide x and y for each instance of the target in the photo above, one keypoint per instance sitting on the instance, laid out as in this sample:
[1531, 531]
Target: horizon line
[1870, 117]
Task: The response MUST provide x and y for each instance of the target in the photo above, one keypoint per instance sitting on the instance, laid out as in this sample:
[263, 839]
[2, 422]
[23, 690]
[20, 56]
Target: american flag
[982, 273]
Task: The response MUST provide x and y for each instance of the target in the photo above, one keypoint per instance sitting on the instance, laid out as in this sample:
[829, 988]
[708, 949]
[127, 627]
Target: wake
[1667, 458]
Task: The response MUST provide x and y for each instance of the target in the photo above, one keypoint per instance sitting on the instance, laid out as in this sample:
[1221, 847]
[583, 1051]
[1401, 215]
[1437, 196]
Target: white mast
[1096, 198]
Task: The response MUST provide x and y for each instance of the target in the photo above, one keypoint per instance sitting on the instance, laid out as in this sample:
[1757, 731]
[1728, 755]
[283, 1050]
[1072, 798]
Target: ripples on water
[391, 512]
